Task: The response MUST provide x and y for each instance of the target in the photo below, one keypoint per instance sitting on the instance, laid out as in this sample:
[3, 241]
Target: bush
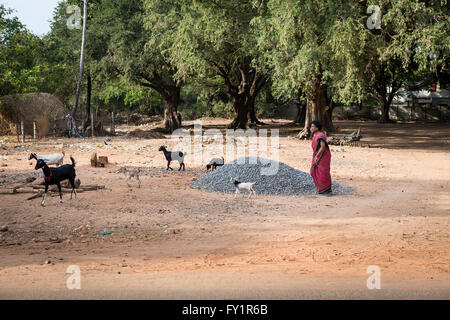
[192, 111]
[267, 110]
[222, 109]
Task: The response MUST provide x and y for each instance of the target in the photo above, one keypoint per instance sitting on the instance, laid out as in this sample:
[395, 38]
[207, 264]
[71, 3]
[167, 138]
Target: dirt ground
[169, 240]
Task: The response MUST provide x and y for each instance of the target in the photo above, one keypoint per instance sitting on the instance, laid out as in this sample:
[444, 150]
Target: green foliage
[116, 57]
[207, 34]
[306, 40]
[211, 42]
[221, 109]
[24, 66]
[297, 40]
[138, 51]
[397, 53]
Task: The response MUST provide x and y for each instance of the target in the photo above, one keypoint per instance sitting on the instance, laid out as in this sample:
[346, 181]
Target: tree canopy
[143, 52]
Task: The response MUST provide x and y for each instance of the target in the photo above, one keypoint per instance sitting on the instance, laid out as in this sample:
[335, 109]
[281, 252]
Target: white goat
[243, 186]
[56, 158]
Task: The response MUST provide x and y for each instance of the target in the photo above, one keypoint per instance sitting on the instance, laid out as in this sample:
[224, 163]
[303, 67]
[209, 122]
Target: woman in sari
[320, 167]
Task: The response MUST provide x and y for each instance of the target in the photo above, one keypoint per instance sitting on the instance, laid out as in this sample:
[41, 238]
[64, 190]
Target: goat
[130, 173]
[173, 156]
[49, 159]
[243, 186]
[214, 163]
[56, 175]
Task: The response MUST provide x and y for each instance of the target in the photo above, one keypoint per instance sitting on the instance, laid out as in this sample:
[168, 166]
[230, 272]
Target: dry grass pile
[147, 134]
[29, 107]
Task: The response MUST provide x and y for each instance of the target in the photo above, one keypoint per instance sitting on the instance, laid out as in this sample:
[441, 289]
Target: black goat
[56, 175]
[214, 163]
[175, 156]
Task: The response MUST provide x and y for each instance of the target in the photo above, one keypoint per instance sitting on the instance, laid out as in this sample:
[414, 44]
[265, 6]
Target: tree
[119, 66]
[326, 50]
[215, 38]
[296, 38]
[24, 66]
[411, 32]
[413, 44]
[301, 108]
[63, 48]
[105, 87]
[135, 52]
[11, 34]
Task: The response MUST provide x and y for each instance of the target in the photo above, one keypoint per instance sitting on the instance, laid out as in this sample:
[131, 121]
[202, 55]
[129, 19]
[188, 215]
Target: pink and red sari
[320, 172]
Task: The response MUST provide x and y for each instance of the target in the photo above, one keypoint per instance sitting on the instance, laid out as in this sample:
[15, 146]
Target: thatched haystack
[42, 107]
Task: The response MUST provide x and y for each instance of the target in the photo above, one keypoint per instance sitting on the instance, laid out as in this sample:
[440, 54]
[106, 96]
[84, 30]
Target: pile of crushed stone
[271, 177]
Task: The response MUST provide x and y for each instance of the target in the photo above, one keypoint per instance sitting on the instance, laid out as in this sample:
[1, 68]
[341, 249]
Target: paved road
[201, 285]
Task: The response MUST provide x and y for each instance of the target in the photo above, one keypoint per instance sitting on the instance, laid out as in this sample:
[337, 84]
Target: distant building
[410, 99]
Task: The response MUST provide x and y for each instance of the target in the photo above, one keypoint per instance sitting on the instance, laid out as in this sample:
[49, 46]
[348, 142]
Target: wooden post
[34, 131]
[92, 124]
[112, 123]
[22, 130]
[18, 130]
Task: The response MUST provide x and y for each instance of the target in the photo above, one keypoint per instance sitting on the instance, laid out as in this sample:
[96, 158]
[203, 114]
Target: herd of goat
[54, 175]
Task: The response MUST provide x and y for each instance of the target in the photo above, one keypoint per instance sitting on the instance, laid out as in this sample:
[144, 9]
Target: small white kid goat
[243, 186]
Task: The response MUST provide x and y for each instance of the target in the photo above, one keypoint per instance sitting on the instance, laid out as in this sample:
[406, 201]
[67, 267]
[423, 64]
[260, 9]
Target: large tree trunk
[240, 106]
[328, 118]
[385, 106]
[88, 104]
[301, 112]
[252, 113]
[383, 96]
[244, 96]
[171, 101]
[316, 109]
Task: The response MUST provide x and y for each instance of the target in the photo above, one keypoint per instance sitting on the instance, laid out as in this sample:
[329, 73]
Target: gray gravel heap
[286, 181]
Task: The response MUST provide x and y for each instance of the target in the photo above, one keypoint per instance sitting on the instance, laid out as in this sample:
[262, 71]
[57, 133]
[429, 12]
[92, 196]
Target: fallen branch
[24, 184]
[55, 189]
[67, 190]
[33, 187]
[53, 193]
[25, 190]
[17, 190]
[81, 188]
[7, 191]
[39, 194]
